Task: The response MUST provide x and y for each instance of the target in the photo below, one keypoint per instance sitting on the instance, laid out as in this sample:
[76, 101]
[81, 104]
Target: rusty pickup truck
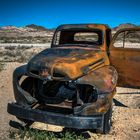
[73, 82]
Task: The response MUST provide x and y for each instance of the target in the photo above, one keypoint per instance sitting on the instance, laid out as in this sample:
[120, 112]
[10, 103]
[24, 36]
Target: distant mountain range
[36, 34]
[34, 27]
[27, 27]
[126, 25]
[28, 34]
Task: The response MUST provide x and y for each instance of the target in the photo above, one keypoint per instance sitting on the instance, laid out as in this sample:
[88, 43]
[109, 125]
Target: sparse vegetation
[28, 39]
[2, 65]
[19, 53]
[27, 34]
[34, 134]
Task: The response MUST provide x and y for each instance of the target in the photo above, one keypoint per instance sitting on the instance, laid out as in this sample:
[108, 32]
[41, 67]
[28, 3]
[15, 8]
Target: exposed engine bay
[67, 93]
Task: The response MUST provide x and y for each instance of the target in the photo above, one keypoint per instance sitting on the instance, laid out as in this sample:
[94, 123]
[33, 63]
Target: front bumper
[70, 121]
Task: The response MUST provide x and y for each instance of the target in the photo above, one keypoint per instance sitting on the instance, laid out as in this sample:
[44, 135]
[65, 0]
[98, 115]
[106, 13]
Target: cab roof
[83, 26]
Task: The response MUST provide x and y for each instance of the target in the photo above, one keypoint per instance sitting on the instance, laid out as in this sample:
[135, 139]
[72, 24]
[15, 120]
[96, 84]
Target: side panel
[125, 56]
[132, 64]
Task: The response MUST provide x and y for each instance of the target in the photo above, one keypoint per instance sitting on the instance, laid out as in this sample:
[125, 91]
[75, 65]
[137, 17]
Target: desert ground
[126, 115]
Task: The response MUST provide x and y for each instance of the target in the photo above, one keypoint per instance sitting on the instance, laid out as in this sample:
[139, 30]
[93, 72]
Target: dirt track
[126, 120]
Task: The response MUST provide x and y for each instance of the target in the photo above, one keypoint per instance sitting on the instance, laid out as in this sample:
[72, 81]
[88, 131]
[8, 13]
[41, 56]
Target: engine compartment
[58, 92]
[61, 94]
[90, 94]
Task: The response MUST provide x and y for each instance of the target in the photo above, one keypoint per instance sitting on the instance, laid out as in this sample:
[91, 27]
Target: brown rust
[98, 26]
[64, 104]
[100, 106]
[104, 79]
[76, 63]
[126, 61]
[75, 68]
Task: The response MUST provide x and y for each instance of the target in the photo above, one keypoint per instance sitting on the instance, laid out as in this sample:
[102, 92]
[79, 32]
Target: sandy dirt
[126, 120]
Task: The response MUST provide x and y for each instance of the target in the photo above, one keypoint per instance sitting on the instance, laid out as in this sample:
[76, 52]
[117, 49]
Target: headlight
[44, 73]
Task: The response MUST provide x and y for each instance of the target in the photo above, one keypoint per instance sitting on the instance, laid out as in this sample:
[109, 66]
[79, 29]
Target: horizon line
[65, 23]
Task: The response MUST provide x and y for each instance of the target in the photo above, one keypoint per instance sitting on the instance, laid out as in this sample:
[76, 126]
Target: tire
[107, 122]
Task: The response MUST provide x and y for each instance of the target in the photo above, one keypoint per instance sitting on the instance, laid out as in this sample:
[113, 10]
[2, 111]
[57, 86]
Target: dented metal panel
[102, 104]
[70, 62]
[104, 79]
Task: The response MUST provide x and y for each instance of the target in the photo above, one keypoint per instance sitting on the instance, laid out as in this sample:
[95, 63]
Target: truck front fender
[103, 79]
[22, 97]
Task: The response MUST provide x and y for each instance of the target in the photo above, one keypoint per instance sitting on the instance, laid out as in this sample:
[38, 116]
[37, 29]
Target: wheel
[107, 121]
[28, 85]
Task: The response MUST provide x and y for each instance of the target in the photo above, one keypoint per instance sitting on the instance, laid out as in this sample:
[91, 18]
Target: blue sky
[51, 13]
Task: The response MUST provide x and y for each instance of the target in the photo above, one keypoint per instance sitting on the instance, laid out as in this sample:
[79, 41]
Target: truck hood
[66, 62]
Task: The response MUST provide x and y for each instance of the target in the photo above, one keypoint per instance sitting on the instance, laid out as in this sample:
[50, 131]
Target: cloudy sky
[51, 13]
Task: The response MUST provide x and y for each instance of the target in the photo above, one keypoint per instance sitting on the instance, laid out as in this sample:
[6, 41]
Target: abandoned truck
[73, 83]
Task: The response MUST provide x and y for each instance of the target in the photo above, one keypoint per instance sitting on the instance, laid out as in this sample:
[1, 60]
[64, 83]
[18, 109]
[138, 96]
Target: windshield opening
[78, 37]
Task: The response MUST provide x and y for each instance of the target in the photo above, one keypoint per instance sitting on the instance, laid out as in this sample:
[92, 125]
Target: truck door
[125, 56]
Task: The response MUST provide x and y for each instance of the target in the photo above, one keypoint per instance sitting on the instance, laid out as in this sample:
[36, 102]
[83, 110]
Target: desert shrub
[17, 54]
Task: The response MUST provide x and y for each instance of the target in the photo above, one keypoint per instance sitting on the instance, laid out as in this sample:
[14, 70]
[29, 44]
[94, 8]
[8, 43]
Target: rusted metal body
[75, 76]
[72, 62]
[126, 60]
